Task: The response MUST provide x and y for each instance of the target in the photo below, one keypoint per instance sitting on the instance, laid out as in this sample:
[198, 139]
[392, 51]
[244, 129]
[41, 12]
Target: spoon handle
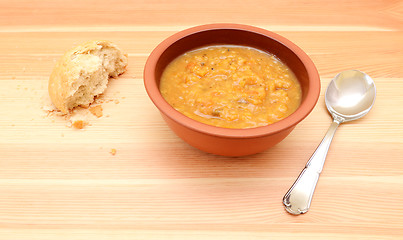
[298, 198]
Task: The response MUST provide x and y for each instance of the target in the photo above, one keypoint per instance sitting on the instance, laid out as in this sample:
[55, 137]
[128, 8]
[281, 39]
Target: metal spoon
[349, 96]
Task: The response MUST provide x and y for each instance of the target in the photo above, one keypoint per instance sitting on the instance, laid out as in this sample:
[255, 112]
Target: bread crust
[67, 71]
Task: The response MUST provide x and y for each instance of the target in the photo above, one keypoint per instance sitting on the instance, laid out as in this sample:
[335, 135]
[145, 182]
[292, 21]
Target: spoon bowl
[349, 96]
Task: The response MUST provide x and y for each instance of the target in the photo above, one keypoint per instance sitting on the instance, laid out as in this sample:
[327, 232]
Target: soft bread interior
[96, 66]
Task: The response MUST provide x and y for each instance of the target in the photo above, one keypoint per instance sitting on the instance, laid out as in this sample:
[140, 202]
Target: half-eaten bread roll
[83, 73]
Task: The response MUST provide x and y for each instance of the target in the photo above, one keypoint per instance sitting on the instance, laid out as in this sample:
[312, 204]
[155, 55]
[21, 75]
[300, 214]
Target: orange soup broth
[231, 86]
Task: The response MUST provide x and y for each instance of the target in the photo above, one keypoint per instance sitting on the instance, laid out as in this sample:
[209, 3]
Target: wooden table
[60, 183]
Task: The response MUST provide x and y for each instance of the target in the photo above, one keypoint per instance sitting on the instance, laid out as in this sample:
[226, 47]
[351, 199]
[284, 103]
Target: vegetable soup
[231, 86]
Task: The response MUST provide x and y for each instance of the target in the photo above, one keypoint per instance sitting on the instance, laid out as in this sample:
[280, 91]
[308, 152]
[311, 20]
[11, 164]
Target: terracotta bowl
[225, 141]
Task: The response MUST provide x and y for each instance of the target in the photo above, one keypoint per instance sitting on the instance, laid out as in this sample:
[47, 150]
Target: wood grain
[61, 183]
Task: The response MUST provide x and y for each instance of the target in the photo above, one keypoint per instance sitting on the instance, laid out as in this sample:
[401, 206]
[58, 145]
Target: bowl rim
[289, 122]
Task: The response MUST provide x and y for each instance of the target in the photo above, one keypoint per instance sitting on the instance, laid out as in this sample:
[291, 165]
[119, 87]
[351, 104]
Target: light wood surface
[61, 183]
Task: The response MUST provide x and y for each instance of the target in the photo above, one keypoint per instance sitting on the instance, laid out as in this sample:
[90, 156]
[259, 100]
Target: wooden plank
[332, 52]
[60, 183]
[379, 14]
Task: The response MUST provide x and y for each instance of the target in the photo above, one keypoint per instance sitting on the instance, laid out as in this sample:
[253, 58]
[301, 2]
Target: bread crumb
[62, 135]
[79, 124]
[113, 151]
[99, 99]
[96, 111]
[116, 101]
